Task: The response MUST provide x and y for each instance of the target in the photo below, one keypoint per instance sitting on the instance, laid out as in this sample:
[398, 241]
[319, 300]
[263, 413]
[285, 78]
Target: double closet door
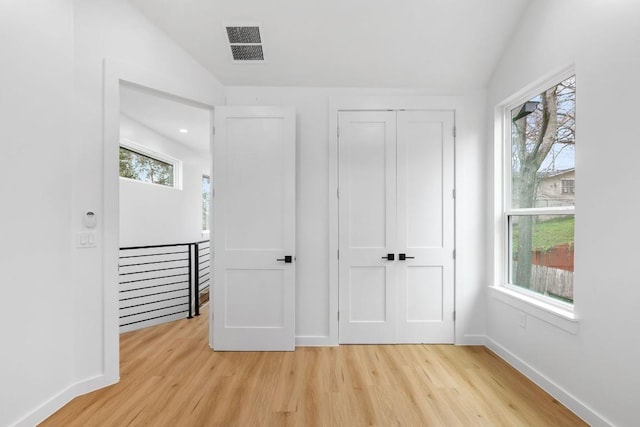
[396, 226]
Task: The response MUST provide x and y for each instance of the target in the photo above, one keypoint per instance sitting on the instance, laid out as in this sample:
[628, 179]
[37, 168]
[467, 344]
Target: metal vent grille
[244, 34]
[245, 43]
[244, 52]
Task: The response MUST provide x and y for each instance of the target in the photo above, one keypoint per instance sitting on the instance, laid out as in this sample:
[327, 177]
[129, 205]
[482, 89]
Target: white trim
[314, 341]
[334, 107]
[563, 210]
[560, 317]
[368, 103]
[156, 155]
[563, 396]
[472, 340]
[45, 409]
[372, 103]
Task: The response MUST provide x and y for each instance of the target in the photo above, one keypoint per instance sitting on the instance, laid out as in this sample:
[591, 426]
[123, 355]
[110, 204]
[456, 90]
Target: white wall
[595, 371]
[155, 214]
[51, 109]
[312, 267]
[112, 29]
[36, 292]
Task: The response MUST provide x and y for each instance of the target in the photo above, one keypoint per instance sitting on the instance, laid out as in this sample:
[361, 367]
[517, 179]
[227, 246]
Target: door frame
[375, 103]
[170, 86]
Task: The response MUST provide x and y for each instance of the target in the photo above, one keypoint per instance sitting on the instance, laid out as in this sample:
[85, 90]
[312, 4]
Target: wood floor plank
[170, 377]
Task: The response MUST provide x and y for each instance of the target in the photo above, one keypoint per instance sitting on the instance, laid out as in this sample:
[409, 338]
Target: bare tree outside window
[542, 165]
[206, 201]
[138, 166]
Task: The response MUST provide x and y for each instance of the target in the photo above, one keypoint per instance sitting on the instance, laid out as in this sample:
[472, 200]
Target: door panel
[368, 294]
[254, 298]
[253, 227]
[255, 156]
[420, 171]
[425, 226]
[424, 293]
[367, 222]
[367, 156]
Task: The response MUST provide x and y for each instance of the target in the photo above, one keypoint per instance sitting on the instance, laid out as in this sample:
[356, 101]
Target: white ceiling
[449, 45]
[167, 116]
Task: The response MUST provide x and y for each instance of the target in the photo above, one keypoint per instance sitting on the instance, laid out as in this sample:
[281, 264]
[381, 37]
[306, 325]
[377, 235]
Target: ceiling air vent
[245, 43]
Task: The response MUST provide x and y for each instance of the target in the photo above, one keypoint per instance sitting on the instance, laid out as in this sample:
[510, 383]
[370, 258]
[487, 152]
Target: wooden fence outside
[560, 257]
[552, 281]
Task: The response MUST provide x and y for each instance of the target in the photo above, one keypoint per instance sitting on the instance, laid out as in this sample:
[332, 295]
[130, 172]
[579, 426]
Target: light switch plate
[86, 239]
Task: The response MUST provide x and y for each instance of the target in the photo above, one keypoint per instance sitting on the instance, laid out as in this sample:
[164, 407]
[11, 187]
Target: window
[206, 201]
[568, 186]
[539, 229]
[141, 164]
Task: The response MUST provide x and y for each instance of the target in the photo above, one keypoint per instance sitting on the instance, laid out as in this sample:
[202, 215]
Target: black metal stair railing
[161, 283]
[203, 272]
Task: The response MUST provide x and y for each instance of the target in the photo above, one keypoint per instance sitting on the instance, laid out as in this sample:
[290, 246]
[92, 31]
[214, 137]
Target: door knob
[288, 259]
[403, 257]
[389, 257]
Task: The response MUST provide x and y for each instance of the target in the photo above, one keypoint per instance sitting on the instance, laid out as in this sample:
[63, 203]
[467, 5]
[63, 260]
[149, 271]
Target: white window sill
[549, 313]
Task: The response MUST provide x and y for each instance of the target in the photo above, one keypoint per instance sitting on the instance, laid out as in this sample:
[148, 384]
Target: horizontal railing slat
[160, 305]
[156, 282]
[132, 325]
[150, 295]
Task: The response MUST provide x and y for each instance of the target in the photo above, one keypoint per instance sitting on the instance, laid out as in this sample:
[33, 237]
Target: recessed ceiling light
[184, 131]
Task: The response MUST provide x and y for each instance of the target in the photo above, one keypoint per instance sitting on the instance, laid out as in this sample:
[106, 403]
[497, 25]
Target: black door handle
[288, 259]
[403, 257]
[389, 257]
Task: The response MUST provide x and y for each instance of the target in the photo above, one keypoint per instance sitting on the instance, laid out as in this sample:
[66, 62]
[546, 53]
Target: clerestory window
[141, 164]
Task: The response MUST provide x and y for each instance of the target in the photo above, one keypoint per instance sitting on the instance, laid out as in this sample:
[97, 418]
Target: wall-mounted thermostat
[90, 220]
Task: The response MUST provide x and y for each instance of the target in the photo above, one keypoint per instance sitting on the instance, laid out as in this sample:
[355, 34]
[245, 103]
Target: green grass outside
[549, 234]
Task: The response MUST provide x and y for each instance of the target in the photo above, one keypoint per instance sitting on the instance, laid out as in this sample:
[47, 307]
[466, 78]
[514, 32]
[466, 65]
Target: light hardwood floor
[170, 377]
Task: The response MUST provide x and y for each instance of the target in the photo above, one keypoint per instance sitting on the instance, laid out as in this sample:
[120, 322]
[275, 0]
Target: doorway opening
[164, 208]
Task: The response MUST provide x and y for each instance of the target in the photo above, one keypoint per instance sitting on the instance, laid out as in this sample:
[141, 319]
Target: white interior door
[396, 183]
[254, 229]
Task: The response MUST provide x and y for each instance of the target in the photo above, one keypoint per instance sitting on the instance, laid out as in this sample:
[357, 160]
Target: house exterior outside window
[539, 192]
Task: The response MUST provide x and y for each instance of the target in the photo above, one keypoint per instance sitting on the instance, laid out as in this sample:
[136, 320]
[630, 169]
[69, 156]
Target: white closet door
[254, 229]
[367, 222]
[425, 176]
[396, 180]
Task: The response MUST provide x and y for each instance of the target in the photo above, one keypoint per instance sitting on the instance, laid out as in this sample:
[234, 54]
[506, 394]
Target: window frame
[503, 200]
[161, 157]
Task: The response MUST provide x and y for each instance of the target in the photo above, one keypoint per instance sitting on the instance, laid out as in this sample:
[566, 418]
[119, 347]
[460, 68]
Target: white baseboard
[314, 341]
[46, 409]
[575, 405]
[471, 340]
